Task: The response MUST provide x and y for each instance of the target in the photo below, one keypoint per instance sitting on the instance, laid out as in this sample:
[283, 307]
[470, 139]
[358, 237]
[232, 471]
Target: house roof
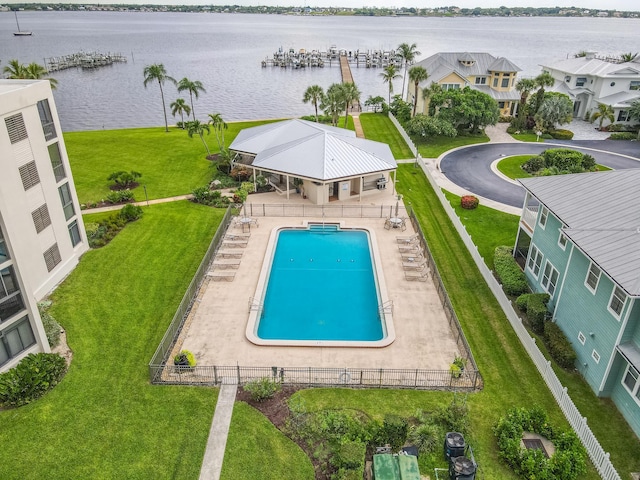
[631, 353]
[595, 67]
[442, 64]
[621, 99]
[309, 150]
[601, 214]
[511, 95]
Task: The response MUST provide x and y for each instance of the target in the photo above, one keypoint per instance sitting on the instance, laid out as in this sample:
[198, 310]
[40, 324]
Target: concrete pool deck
[215, 330]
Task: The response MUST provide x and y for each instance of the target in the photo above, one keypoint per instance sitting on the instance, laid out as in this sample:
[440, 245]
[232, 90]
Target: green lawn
[378, 127]
[170, 163]
[433, 147]
[488, 228]
[525, 137]
[104, 420]
[512, 166]
[256, 449]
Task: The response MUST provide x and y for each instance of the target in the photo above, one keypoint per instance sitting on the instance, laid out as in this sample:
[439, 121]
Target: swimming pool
[321, 286]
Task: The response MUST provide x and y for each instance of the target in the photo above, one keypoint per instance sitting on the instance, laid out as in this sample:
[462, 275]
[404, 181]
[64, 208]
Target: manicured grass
[378, 127]
[525, 137]
[488, 228]
[435, 146]
[104, 420]
[256, 449]
[512, 166]
[170, 163]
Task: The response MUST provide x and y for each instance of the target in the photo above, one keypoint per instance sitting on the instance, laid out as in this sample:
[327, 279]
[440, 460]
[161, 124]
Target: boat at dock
[84, 60]
[319, 58]
[20, 33]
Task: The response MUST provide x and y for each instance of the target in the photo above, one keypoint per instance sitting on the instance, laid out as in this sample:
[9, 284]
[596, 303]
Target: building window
[580, 81]
[481, 80]
[450, 86]
[635, 85]
[562, 241]
[52, 257]
[29, 175]
[535, 260]
[4, 251]
[41, 218]
[631, 380]
[505, 83]
[544, 213]
[500, 105]
[15, 340]
[567, 78]
[581, 338]
[495, 82]
[74, 233]
[593, 277]
[596, 356]
[623, 115]
[56, 162]
[16, 128]
[616, 304]
[549, 278]
[67, 201]
[46, 119]
[10, 296]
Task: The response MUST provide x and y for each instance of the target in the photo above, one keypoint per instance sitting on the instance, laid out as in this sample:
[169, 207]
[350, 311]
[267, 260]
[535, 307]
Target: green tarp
[395, 467]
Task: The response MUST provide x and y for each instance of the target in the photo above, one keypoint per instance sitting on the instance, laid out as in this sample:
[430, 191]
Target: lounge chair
[408, 240]
[237, 236]
[235, 243]
[228, 263]
[414, 256]
[233, 253]
[218, 275]
[409, 248]
[419, 265]
[421, 275]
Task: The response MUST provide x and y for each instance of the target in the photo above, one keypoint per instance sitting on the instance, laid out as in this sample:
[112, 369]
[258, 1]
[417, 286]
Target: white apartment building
[41, 232]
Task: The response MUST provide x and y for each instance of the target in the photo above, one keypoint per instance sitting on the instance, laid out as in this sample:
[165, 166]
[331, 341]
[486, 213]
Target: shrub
[394, 431]
[537, 311]
[622, 136]
[240, 173]
[185, 359]
[120, 196]
[124, 179]
[521, 301]
[561, 134]
[240, 195]
[562, 158]
[209, 197]
[349, 455]
[130, 213]
[559, 347]
[426, 437]
[512, 278]
[533, 164]
[469, 202]
[51, 327]
[262, 389]
[34, 376]
[453, 417]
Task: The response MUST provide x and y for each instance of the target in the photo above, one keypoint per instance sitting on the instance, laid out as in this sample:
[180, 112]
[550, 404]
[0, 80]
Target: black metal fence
[322, 211]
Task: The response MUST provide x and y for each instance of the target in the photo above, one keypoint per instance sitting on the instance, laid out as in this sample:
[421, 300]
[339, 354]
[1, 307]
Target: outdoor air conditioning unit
[454, 445]
[462, 468]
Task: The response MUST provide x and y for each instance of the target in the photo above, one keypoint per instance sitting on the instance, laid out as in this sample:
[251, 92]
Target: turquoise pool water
[321, 287]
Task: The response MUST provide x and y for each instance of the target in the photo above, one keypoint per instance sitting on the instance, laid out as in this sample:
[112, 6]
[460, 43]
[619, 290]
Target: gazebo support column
[255, 183]
[360, 189]
[287, 187]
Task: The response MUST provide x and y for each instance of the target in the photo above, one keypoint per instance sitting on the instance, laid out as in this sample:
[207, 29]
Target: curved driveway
[470, 167]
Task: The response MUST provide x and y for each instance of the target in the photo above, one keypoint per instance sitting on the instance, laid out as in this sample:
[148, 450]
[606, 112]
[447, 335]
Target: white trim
[617, 316]
[635, 392]
[581, 338]
[555, 284]
[618, 340]
[566, 240]
[544, 212]
[564, 277]
[538, 265]
[596, 356]
[594, 289]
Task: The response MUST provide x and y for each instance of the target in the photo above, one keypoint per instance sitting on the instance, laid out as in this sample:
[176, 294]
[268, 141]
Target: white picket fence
[598, 456]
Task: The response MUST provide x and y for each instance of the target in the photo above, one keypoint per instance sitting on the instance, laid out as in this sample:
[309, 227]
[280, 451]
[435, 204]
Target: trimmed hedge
[623, 136]
[469, 202]
[535, 306]
[561, 134]
[35, 375]
[559, 347]
[509, 273]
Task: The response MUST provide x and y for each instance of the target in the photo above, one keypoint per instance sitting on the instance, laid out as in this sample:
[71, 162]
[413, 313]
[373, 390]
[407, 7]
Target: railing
[319, 211]
[171, 335]
[599, 457]
[529, 217]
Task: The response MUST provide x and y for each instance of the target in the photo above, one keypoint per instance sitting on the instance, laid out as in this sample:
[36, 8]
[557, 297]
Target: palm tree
[389, 74]
[417, 74]
[313, 94]
[408, 53]
[428, 92]
[525, 86]
[545, 79]
[332, 102]
[350, 94]
[219, 126]
[33, 71]
[15, 70]
[634, 113]
[604, 112]
[181, 107]
[156, 72]
[194, 89]
[628, 57]
[195, 127]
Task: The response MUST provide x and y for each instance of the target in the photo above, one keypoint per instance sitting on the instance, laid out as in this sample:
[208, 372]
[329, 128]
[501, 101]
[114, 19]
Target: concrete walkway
[112, 208]
[217, 441]
[358, 126]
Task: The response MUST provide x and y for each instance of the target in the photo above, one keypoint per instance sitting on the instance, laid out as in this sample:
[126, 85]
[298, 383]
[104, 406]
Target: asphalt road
[470, 168]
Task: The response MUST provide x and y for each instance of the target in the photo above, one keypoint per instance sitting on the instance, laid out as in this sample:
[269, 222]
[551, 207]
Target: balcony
[529, 217]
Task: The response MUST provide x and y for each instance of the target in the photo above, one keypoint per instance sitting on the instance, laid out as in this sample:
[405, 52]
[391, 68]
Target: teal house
[579, 241]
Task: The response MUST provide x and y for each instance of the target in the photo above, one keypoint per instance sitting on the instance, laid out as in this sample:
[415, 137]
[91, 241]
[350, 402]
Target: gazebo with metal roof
[325, 163]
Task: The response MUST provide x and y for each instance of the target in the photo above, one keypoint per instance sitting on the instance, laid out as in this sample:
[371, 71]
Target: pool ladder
[386, 308]
[253, 306]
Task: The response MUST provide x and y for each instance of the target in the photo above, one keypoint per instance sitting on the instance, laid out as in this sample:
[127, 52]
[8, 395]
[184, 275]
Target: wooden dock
[333, 56]
[85, 60]
[345, 70]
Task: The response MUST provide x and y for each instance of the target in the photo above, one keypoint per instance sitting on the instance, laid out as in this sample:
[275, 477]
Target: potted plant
[457, 367]
[184, 359]
[297, 182]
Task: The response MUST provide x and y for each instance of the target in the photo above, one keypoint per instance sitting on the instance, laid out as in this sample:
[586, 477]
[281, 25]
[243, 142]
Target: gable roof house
[480, 71]
[591, 80]
[580, 236]
[326, 163]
